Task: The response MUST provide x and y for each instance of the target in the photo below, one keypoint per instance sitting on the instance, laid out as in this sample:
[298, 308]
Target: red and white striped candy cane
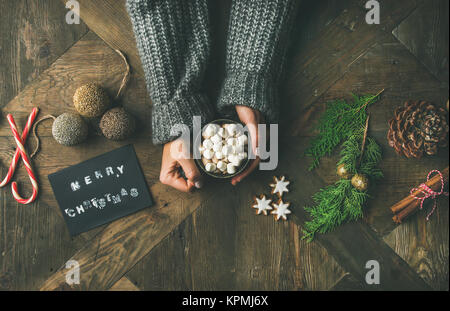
[16, 157]
[27, 163]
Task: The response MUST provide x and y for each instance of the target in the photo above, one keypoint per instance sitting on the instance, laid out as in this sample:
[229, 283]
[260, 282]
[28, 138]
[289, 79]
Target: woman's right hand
[174, 157]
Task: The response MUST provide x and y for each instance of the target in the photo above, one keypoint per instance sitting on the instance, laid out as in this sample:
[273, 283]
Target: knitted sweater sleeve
[256, 51]
[173, 40]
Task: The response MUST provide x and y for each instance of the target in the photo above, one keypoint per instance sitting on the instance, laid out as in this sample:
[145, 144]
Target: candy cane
[27, 163]
[16, 156]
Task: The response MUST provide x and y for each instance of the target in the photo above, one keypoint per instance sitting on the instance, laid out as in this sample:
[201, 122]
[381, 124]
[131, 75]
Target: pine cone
[418, 127]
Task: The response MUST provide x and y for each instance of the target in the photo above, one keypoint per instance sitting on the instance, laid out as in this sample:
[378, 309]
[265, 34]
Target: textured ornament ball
[117, 124]
[90, 100]
[360, 182]
[69, 129]
[343, 172]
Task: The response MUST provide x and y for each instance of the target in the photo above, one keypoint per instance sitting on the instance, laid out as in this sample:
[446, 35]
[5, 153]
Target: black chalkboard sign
[101, 189]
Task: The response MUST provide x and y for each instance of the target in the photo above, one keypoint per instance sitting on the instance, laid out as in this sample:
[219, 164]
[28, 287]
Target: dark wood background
[206, 241]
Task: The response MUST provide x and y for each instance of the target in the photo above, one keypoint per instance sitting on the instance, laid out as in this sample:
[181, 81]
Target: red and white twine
[21, 152]
[429, 193]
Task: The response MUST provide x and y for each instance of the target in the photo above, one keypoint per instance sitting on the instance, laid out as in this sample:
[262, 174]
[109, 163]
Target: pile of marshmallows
[223, 149]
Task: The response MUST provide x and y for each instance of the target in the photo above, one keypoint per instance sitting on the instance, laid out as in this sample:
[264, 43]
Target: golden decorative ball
[117, 124]
[343, 172]
[360, 182]
[91, 100]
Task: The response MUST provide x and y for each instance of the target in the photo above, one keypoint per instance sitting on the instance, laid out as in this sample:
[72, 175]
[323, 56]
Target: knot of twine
[429, 193]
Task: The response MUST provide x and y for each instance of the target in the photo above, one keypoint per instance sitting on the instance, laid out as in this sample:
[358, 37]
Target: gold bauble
[91, 100]
[343, 172]
[360, 182]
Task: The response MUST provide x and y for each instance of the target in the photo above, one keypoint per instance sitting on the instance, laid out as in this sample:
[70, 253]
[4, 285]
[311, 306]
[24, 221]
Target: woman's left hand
[251, 118]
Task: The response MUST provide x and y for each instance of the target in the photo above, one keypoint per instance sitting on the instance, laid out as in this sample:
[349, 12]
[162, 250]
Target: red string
[429, 193]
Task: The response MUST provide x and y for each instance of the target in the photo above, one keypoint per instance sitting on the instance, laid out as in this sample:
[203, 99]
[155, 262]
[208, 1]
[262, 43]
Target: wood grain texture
[352, 244]
[426, 34]
[33, 34]
[110, 21]
[312, 72]
[225, 246]
[124, 285]
[199, 242]
[132, 237]
[424, 245]
[347, 283]
[389, 65]
[34, 239]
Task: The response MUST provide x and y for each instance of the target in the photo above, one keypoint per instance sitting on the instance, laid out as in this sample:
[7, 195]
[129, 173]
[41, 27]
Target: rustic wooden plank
[347, 283]
[425, 34]
[124, 285]
[35, 241]
[225, 246]
[312, 18]
[124, 242]
[389, 65]
[352, 244]
[110, 21]
[312, 72]
[165, 267]
[33, 34]
[92, 60]
[424, 245]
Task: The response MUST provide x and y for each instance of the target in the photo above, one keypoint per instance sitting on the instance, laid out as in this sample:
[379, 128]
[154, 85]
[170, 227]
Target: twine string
[126, 77]
[36, 137]
[429, 193]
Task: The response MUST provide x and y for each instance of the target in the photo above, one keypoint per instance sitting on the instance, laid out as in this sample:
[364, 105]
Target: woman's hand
[175, 157]
[251, 118]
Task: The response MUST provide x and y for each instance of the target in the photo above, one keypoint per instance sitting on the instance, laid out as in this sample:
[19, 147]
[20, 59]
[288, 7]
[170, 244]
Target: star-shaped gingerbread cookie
[262, 205]
[279, 186]
[281, 210]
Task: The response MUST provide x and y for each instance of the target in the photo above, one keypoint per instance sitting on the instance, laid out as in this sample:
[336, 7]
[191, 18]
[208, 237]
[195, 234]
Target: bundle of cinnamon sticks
[410, 204]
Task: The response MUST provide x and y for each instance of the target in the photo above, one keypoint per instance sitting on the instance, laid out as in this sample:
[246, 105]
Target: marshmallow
[208, 154]
[207, 144]
[217, 147]
[219, 155]
[201, 149]
[222, 132]
[242, 155]
[239, 149]
[231, 141]
[205, 161]
[235, 160]
[227, 149]
[216, 139]
[231, 169]
[221, 166]
[242, 140]
[231, 129]
[210, 167]
[231, 157]
[210, 130]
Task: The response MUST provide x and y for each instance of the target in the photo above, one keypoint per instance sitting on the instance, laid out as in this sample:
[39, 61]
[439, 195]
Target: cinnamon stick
[409, 205]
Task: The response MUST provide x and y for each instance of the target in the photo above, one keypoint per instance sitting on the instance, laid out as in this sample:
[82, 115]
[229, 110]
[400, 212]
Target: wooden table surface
[207, 240]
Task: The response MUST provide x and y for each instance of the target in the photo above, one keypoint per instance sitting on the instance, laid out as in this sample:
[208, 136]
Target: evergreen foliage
[341, 202]
[340, 120]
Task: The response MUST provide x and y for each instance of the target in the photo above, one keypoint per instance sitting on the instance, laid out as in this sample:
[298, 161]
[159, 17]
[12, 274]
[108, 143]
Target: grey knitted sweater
[173, 39]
